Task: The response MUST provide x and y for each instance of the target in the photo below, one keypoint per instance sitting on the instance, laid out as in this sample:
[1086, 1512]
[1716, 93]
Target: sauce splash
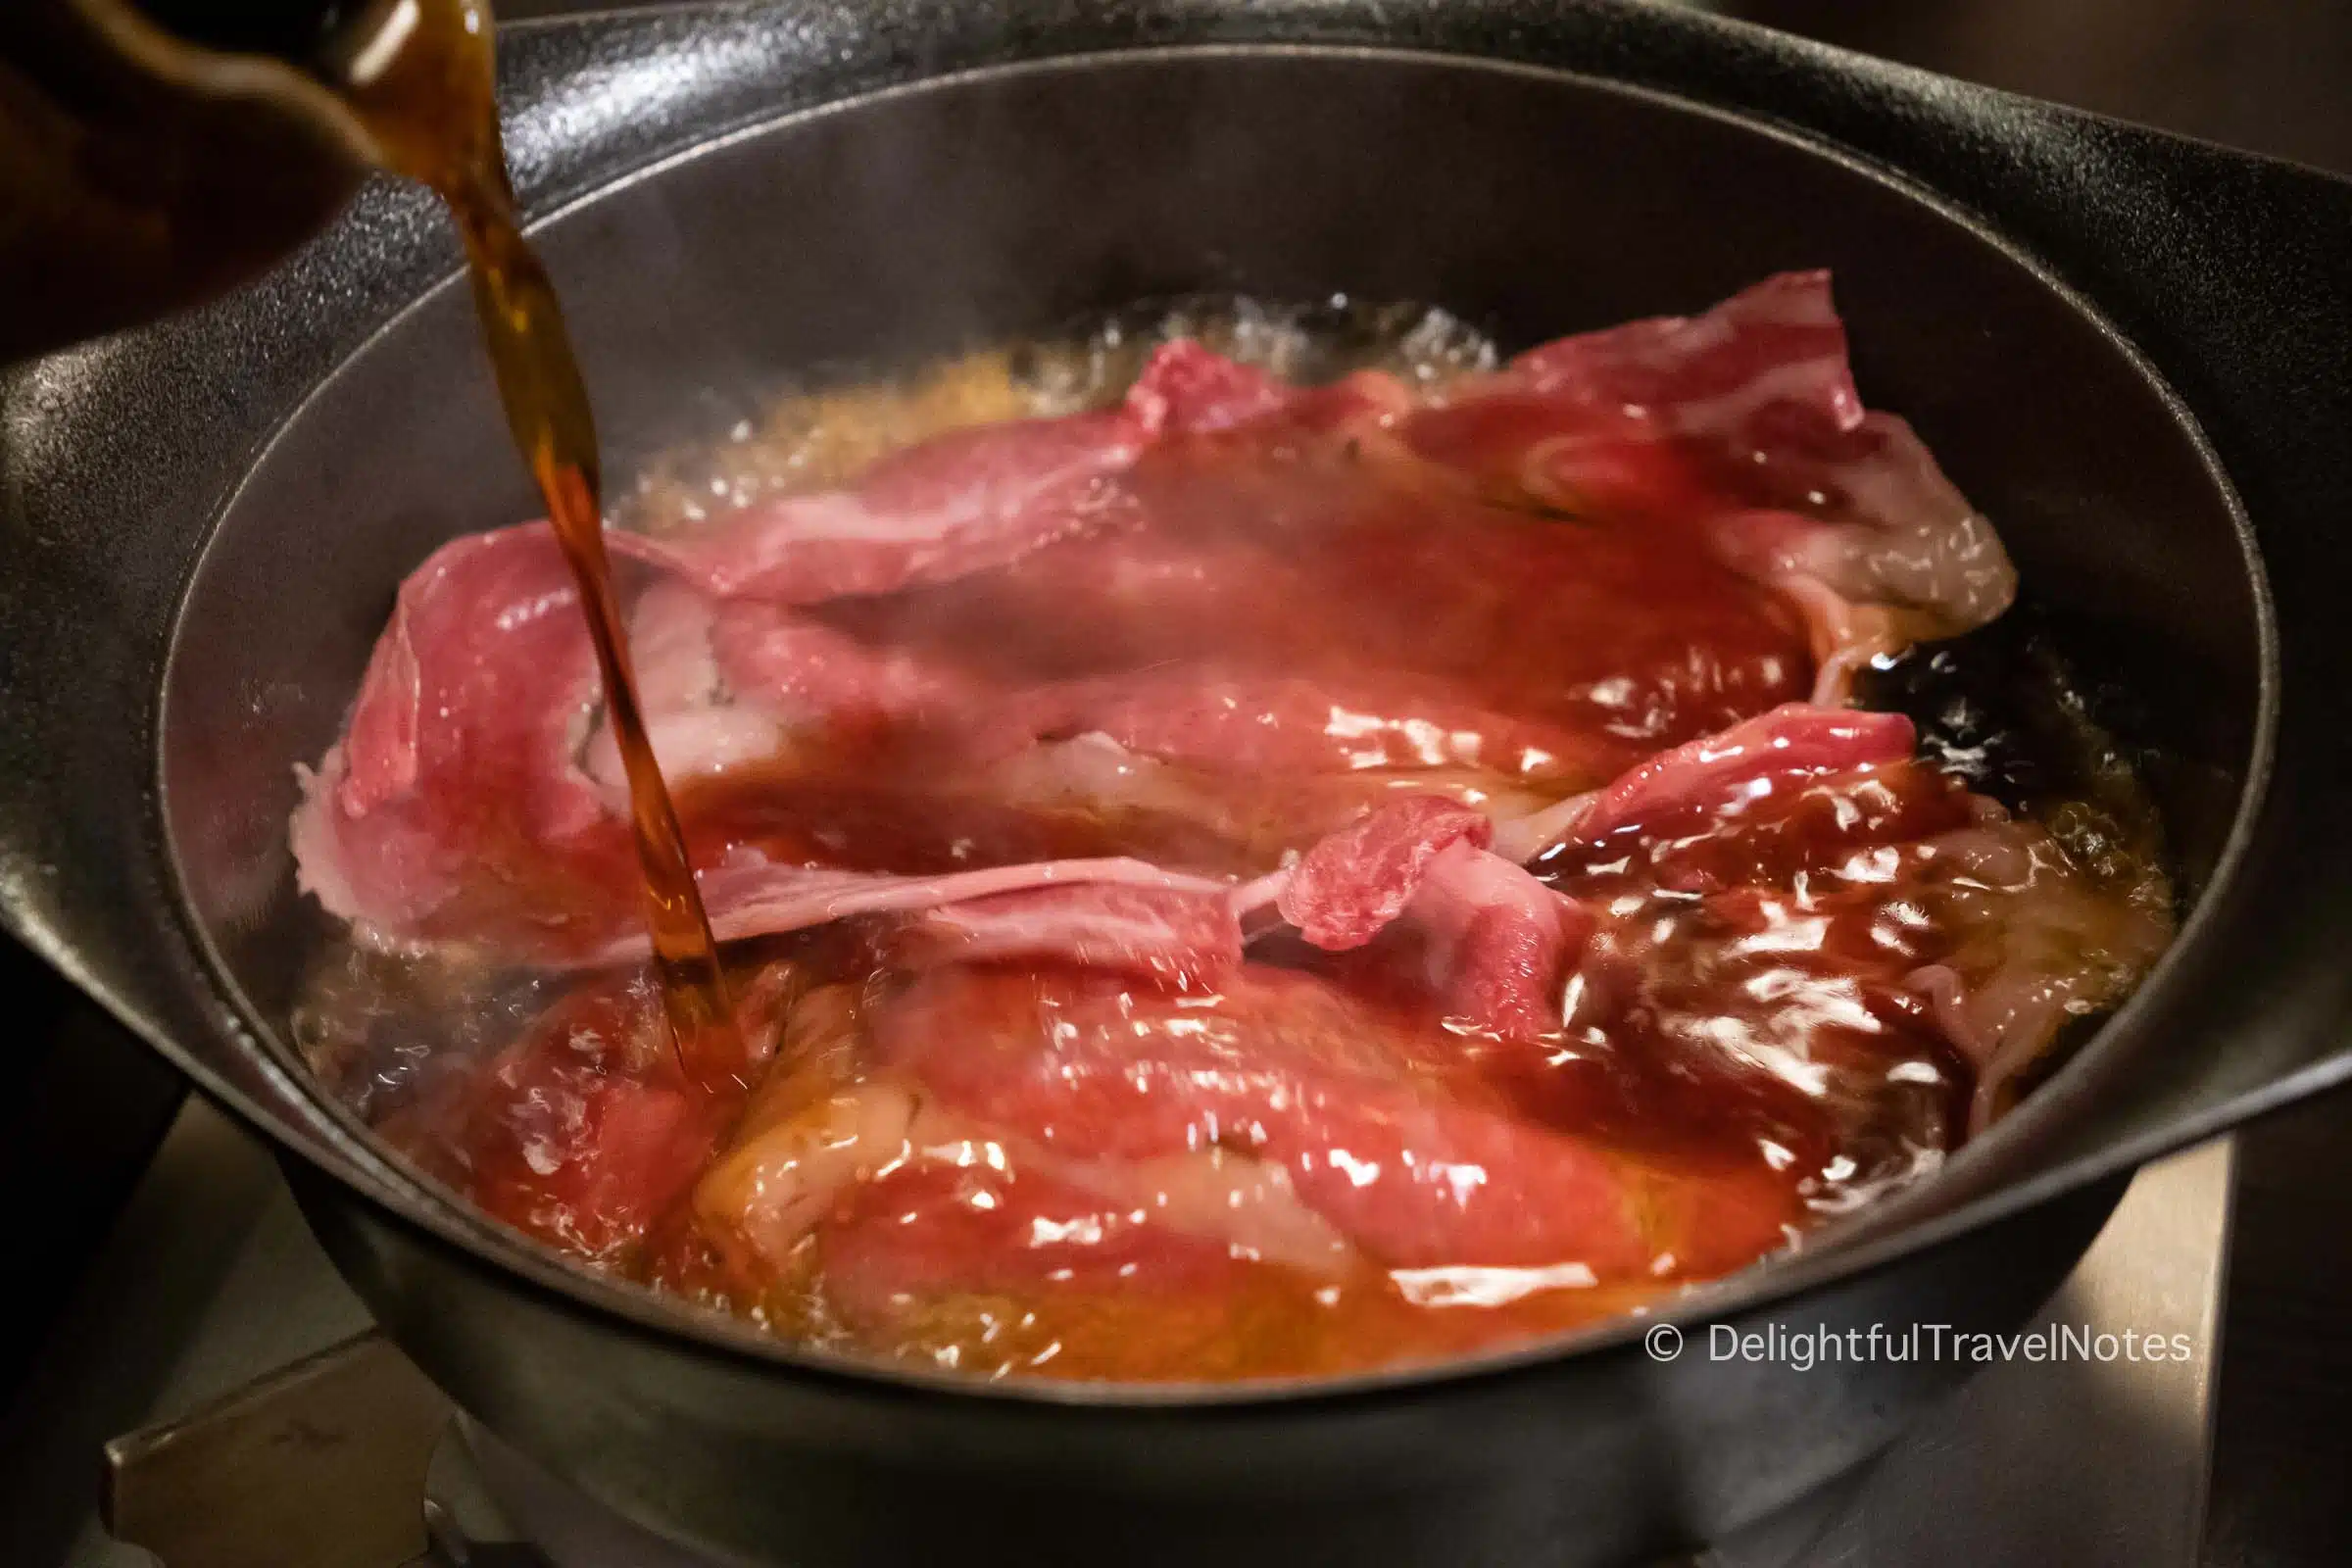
[423, 85]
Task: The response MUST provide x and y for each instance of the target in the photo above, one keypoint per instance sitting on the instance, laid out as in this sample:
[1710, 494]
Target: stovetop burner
[348, 1458]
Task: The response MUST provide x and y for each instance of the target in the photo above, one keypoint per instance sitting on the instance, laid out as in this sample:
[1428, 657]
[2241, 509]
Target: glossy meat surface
[1237, 878]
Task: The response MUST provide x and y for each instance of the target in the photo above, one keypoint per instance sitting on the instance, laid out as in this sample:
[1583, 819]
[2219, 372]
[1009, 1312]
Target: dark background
[2273, 75]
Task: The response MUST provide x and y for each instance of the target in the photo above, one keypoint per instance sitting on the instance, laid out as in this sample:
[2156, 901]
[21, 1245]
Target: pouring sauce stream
[424, 86]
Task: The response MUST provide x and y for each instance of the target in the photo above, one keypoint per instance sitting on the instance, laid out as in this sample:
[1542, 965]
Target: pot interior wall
[979, 208]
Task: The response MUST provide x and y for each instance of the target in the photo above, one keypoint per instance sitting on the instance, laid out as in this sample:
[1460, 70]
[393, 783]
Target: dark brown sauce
[432, 110]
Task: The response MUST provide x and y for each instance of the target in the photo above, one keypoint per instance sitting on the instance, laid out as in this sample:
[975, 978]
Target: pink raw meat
[956, 504]
[697, 726]
[2050, 946]
[475, 799]
[1355, 881]
[961, 502]
[1270, 724]
[1182, 937]
[1203, 390]
[1499, 941]
[928, 1229]
[1747, 413]
[458, 763]
[1277, 1066]
[807, 671]
[786, 1173]
[1496, 940]
[457, 759]
[1792, 738]
[1846, 638]
[732, 682]
[750, 896]
[1889, 529]
[1776, 344]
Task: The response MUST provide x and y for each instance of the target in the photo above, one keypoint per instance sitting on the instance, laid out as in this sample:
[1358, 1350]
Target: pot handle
[2233, 273]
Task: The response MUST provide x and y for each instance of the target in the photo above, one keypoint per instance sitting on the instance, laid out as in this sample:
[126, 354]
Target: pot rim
[1964, 1194]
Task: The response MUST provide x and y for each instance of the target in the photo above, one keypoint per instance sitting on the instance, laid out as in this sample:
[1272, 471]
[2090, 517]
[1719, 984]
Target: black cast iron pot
[2131, 351]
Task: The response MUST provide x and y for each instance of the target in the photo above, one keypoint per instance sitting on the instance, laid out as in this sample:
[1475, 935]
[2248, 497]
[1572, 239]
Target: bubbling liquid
[1029, 1168]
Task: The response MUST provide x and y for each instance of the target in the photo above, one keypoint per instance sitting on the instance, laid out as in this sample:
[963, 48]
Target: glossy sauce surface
[1786, 995]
